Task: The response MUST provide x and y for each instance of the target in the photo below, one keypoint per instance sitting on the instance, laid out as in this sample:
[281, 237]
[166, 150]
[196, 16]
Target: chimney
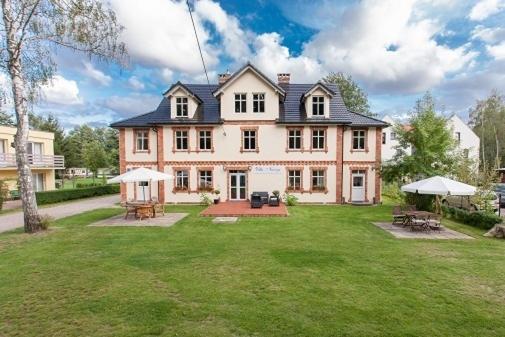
[224, 77]
[283, 78]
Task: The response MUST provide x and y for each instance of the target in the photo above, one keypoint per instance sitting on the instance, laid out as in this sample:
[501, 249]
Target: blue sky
[396, 50]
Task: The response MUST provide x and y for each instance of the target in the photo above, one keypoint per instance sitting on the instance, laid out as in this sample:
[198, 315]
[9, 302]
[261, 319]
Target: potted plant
[216, 200]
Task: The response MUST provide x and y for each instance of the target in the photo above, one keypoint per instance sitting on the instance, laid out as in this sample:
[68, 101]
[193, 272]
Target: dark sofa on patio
[256, 200]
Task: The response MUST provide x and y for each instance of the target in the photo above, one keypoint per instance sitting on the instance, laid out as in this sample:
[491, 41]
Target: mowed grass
[323, 271]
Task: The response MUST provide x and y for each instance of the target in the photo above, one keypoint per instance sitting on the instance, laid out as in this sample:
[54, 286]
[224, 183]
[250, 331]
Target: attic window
[318, 105]
[181, 104]
[240, 103]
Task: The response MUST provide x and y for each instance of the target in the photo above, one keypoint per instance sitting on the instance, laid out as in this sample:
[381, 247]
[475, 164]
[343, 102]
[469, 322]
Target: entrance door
[358, 186]
[143, 191]
[237, 185]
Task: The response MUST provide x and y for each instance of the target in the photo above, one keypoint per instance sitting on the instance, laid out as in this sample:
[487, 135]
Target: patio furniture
[435, 222]
[274, 201]
[399, 216]
[256, 200]
[263, 195]
[130, 209]
[418, 220]
[144, 211]
[157, 207]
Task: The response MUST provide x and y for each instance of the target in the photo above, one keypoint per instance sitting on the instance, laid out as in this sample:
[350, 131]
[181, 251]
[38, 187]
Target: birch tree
[32, 30]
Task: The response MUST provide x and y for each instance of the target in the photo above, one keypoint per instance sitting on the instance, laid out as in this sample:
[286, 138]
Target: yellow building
[40, 155]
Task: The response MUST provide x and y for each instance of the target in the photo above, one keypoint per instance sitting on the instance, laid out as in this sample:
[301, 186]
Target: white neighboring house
[467, 141]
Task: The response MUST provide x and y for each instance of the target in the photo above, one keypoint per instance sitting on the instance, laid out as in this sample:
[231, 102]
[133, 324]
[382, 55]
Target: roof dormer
[183, 102]
[317, 101]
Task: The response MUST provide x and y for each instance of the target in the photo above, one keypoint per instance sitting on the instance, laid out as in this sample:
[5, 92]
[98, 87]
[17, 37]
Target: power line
[198, 42]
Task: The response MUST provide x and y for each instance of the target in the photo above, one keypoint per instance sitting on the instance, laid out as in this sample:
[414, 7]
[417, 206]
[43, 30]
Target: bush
[477, 219]
[46, 221]
[205, 199]
[393, 192]
[290, 199]
[423, 202]
[51, 197]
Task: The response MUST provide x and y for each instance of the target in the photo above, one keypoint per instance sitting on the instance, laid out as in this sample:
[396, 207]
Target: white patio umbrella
[439, 186]
[140, 174]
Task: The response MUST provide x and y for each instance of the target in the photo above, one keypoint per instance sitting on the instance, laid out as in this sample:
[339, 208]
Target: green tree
[488, 121]
[6, 119]
[431, 142]
[50, 124]
[31, 31]
[354, 97]
[94, 157]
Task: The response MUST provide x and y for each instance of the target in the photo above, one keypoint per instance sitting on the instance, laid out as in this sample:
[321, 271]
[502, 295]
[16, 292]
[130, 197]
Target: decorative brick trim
[295, 168]
[352, 140]
[122, 161]
[174, 139]
[238, 168]
[256, 162]
[161, 158]
[378, 158]
[358, 162]
[198, 129]
[339, 165]
[249, 122]
[291, 128]
[135, 130]
[358, 168]
[174, 189]
[249, 128]
[315, 168]
[325, 129]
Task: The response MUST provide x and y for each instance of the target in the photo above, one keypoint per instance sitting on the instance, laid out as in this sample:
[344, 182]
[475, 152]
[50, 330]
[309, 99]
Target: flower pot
[216, 201]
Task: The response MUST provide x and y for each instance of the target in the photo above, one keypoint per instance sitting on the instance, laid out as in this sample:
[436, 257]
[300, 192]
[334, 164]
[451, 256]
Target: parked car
[472, 203]
[500, 190]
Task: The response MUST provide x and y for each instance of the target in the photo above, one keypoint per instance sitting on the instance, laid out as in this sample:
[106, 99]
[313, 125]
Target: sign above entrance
[266, 170]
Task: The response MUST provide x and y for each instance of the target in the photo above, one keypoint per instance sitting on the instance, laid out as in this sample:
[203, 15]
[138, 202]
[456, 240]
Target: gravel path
[14, 220]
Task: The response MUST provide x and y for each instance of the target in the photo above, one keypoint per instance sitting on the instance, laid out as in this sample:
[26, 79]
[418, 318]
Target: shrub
[45, 221]
[479, 219]
[393, 192]
[423, 202]
[51, 197]
[205, 199]
[290, 199]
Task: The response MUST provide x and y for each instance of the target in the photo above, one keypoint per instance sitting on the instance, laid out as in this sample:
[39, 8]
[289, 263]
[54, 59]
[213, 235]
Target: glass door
[237, 185]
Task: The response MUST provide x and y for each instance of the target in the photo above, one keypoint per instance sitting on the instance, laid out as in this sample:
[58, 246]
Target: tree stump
[497, 231]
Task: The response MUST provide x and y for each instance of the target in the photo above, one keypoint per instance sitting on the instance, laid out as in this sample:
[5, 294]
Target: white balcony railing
[35, 160]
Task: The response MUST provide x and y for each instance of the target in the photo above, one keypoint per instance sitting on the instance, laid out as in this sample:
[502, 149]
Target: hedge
[423, 202]
[51, 197]
[477, 219]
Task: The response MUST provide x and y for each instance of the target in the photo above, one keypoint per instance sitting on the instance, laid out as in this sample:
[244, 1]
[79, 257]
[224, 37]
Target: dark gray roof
[291, 110]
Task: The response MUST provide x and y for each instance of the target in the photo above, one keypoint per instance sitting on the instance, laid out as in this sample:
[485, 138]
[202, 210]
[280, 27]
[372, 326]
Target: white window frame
[241, 99]
[297, 134]
[392, 136]
[180, 135]
[181, 107]
[247, 136]
[320, 177]
[206, 177]
[319, 137]
[361, 136]
[180, 177]
[259, 102]
[142, 138]
[294, 175]
[318, 104]
[207, 139]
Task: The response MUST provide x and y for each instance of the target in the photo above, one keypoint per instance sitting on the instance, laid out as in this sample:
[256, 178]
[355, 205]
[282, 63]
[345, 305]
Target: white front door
[237, 185]
[143, 191]
[358, 186]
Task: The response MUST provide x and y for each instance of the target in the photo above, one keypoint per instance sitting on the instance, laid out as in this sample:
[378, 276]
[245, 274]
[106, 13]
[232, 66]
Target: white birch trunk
[31, 215]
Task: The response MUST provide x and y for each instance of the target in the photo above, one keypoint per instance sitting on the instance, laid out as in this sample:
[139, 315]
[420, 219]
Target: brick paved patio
[243, 208]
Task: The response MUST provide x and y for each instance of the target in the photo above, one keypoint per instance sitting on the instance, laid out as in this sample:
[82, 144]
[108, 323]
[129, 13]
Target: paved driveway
[13, 220]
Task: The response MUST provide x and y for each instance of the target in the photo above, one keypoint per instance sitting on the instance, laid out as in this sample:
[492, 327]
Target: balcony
[8, 160]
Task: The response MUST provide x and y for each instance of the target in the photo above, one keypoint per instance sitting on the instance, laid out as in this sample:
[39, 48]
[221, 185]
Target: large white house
[248, 133]
[466, 140]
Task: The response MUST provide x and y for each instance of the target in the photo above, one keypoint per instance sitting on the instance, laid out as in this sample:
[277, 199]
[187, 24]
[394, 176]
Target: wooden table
[143, 209]
[412, 215]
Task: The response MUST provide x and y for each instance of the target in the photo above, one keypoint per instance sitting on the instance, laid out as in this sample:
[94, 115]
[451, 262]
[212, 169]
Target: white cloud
[485, 8]
[135, 83]
[132, 105]
[234, 38]
[488, 34]
[160, 34]
[497, 51]
[399, 54]
[61, 91]
[95, 74]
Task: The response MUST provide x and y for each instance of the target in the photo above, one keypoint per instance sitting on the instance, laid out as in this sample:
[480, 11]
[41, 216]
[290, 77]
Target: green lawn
[72, 183]
[323, 271]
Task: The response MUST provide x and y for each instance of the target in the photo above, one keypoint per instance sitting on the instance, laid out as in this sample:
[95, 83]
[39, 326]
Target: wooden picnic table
[143, 209]
[411, 216]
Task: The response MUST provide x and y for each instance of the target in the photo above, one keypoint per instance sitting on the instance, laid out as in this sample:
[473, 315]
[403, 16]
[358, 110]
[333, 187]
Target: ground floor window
[182, 180]
[294, 180]
[38, 181]
[318, 180]
[205, 180]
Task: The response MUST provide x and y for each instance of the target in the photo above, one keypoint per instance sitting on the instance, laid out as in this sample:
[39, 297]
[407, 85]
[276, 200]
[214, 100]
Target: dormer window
[240, 103]
[259, 102]
[318, 105]
[181, 105]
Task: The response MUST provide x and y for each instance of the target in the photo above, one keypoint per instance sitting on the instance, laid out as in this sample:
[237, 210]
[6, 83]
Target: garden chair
[130, 209]
[419, 223]
[399, 216]
[256, 201]
[435, 222]
[158, 208]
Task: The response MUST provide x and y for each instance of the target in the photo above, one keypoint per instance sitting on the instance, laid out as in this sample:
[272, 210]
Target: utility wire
[198, 42]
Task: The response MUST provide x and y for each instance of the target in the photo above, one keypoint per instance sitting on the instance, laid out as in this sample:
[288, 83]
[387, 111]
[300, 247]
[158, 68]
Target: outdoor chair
[263, 196]
[435, 222]
[419, 224]
[130, 209]
[256, 201]
[399, 216]
[274, 200]
[158, 208]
